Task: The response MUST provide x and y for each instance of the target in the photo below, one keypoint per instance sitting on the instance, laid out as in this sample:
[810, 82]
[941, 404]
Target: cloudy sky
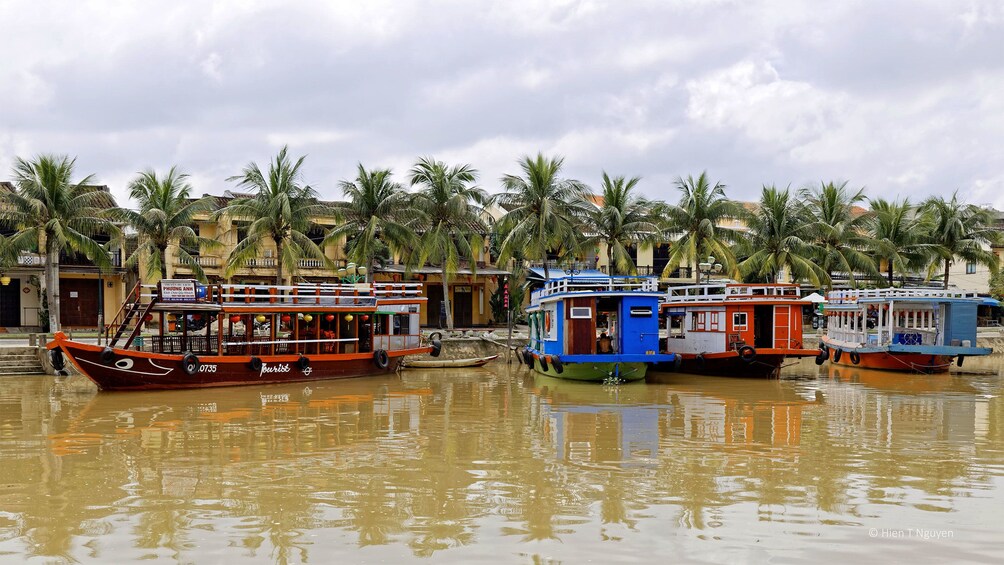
[902, 98]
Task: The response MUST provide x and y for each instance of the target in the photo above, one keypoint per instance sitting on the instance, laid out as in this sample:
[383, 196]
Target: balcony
[25, 259]
[260, 263]
[310, 264]
[200, 260]
[80, 260]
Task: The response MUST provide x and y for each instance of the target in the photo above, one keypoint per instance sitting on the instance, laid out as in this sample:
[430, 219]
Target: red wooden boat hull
[906, 362]
[138, 370]
[729, 364]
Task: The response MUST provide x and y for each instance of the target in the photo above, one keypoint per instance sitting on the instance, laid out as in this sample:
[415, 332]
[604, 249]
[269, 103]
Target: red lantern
[234, 319]
[196, 316]
[285, 318]
[365, 317]
[148, 318]
[329, 317]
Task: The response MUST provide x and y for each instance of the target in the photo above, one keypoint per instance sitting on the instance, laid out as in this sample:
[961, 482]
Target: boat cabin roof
[732, 292]
[852, 299]
[190, 295]
[567, 287]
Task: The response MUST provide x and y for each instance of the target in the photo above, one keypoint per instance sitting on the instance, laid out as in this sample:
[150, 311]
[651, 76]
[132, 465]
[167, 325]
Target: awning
[815, 298]
[481, 271]
[537, 273]
[991, 302]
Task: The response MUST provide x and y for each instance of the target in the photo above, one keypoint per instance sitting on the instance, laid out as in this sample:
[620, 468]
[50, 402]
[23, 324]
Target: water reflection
[488, 463]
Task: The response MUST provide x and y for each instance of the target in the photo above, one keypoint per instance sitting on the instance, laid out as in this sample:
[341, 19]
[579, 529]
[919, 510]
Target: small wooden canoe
[447, 363]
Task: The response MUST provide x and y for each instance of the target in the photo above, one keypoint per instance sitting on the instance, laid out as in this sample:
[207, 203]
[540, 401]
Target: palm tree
[165, 217]
[961, 230]
[281, 210]
[624, 219]
[840, 233]
[897, 233]
[780, 238]
[543, 211]
[697, 218]
[53, 213]
[452, 222]
[375, 217]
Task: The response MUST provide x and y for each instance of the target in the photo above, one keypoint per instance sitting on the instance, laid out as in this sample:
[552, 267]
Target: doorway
[763, 327]
[78, 302]
[463, 311]
[434, 306]
[10, 304]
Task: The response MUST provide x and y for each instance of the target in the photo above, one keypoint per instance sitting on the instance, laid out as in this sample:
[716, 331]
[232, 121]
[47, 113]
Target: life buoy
[435, 336]
[957, 361]
[190, 363]
[303, 362]
[855, 358]
[747, 353]
[381, 359]
[543, 362]
[56, 358]
[557, 364]
[255, 364]
[437, 348]
[107, 356]
[836, 355]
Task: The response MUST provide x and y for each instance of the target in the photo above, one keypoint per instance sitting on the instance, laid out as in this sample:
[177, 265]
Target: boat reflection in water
[488, 464]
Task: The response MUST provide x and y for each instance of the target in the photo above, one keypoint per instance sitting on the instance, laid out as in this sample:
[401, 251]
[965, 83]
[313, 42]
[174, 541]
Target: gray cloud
[900, 97]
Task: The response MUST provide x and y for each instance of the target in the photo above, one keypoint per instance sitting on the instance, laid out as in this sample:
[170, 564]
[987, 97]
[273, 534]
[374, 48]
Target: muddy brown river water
[497, 465]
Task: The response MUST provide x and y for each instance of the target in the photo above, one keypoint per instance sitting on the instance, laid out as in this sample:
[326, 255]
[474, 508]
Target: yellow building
[469, 290]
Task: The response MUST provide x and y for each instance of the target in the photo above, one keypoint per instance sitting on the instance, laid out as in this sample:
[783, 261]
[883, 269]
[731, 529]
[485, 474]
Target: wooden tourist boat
[734, 329]
[915, 330]
[594, 328]
[224, 335]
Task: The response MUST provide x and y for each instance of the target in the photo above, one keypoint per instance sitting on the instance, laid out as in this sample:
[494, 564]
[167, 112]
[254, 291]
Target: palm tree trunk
[547, 272]
[52, 284]
[278, 262]
[948, 264]
[890, 272]
[446, 301]
[163, 260]
[610, 259]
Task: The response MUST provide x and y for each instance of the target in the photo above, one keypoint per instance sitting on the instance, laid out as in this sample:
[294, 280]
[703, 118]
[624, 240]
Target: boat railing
[717, 292]
[596, 284]
[365, 294]
[851, 296]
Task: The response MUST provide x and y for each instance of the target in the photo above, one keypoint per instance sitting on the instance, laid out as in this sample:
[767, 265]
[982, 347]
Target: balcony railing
[201, 260]
[260, 262]
[310, 264]
[26, 259]
[80, 260]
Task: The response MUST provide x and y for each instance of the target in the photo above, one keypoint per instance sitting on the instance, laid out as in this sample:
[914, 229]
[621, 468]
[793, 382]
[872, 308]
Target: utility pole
[508, 311]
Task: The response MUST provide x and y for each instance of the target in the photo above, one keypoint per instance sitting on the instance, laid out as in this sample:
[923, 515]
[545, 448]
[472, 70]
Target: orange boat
[734, 329]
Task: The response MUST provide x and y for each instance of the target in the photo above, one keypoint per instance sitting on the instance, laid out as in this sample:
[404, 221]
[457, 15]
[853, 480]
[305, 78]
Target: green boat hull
[594, 372]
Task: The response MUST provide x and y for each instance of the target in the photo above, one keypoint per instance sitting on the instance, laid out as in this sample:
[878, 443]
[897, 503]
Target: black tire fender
[700, 360]
[437, 348]
[543, 362]
[855, 358]
[57, 361]
[747, 353]
[559, 367]
[255, 364]
[381, 359]
[820, 358]
[677, 362]
[108, 356]
[303, 362]
[959, 360]
[836, 355]
[190, 363]
[435, 336]
[527, 358]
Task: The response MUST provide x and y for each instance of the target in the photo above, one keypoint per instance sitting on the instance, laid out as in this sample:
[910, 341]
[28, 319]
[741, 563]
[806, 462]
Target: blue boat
[913, 330]
[594, 328]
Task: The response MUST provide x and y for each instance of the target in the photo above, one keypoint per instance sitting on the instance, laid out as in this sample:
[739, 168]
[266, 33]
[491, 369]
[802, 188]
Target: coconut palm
[780, 239]
[960, 230]
[52, 214]
[622, 220]
[281, 210]
[697, 219]
[839, 232]
[452, 224]
[375, 218]
[897, 236]
[543, 211]
[165, 217]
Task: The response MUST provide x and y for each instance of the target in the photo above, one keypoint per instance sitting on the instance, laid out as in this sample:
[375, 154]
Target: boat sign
[177, 290]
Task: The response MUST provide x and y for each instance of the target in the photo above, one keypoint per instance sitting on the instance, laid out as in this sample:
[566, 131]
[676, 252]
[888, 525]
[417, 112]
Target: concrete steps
[17, 363]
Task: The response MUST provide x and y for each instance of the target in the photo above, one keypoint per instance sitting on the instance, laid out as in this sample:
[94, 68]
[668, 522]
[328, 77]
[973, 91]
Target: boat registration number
[207, 368]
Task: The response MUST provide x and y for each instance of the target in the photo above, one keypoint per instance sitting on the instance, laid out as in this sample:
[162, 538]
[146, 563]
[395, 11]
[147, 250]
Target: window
[578, 312]
[714, 322]
[739, 321]
[970, 268]
[641, 311]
